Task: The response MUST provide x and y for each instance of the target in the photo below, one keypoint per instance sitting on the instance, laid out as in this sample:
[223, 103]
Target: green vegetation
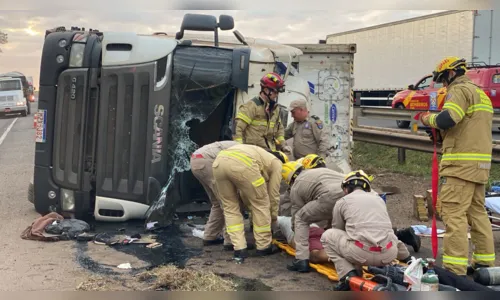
[383, 158]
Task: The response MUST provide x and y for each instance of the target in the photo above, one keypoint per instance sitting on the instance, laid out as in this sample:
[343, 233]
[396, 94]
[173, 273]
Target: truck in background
[121, 113]
[28, 89]
[392, 56]
[12, 97]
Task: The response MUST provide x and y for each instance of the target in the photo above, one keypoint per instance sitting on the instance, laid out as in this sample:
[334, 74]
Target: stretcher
[492, 204]
[327, 269]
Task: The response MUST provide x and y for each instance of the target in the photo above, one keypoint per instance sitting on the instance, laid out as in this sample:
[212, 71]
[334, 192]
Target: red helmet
[273, 81]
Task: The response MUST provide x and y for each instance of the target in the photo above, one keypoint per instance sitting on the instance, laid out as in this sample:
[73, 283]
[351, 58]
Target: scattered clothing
[37, 229]
[68, 229]
[422, 229]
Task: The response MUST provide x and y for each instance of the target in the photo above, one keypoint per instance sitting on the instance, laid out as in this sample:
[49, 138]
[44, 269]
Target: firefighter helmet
[357, 178]
[290, 171]
[312, 161]
[451, 63]
[273, 81]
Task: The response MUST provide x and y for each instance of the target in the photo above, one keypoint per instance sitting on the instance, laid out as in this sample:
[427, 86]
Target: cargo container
[392, 56]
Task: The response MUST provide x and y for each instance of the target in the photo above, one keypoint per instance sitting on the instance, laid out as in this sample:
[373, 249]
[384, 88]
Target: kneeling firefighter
[313, 194]
[309, 161]
[255, 172]
[361, 233]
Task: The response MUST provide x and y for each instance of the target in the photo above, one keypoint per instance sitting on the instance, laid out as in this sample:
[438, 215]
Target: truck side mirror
[226, 22]
[411, 87]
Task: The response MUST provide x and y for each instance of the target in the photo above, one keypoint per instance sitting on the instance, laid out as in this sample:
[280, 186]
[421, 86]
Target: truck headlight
[76, 55]
[67, 200]
[20, 103]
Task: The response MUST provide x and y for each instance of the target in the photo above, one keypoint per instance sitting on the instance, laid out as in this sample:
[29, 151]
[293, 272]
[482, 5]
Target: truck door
[328, 69]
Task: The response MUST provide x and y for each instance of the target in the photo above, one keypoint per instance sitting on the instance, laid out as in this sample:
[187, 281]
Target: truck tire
[24, 114]
[31, 193]
[402, 124]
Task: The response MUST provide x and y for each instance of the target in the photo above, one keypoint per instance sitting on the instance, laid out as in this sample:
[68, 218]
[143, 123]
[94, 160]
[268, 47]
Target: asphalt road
[392, 124]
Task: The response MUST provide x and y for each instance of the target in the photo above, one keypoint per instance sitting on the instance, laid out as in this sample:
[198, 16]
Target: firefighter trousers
[202, 170]
[462, 205]
[313, 212]
[234, 171]
[347, 255]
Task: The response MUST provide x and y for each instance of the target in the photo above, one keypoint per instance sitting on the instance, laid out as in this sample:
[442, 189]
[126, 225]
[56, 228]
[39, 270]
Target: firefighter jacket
[320, 184]
[467, 146]
[255, 125]
[269, 166]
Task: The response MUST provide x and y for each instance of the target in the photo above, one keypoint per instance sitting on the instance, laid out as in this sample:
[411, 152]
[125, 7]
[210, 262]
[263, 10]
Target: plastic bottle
[430, 280]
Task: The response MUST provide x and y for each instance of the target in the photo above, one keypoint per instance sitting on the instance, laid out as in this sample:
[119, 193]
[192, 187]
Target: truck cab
[120, 113]
[12, 100]
[429, 95]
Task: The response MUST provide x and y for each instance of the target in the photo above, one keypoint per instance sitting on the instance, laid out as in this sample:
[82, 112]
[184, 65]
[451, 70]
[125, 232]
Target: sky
[26, 29]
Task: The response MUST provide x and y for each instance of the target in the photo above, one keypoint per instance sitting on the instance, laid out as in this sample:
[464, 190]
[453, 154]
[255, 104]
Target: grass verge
[379, 158]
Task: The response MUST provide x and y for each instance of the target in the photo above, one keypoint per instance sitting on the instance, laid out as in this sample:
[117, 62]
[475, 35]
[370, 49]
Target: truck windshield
[10, 85]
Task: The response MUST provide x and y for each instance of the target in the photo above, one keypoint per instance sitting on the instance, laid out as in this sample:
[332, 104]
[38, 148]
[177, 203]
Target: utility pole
[4, 39]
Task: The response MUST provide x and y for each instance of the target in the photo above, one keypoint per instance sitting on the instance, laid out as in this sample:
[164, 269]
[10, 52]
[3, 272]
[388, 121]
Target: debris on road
[124, 266]
[174, 279]
[36, 231]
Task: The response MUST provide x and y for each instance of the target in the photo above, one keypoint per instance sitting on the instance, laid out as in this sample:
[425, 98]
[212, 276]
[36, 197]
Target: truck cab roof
[262, 50]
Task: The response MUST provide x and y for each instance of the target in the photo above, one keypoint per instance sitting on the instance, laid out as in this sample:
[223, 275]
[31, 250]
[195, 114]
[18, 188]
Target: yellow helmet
[290, 171]
[358, 178]
[312, 161]
[282, 156]
[448, 63]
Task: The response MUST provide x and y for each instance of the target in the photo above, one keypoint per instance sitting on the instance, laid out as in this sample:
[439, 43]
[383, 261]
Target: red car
[428, 95]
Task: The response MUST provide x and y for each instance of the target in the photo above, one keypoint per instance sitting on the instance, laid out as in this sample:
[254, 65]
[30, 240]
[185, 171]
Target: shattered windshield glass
[201, 79]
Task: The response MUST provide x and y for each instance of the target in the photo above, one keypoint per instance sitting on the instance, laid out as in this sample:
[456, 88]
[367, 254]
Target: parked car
[429, 95]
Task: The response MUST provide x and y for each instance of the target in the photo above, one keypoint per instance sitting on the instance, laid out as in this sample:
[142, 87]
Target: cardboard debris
[430, 210]
[420, 210]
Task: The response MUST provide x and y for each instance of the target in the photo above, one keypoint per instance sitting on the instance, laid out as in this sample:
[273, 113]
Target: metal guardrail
[387, 113]
[400, 138]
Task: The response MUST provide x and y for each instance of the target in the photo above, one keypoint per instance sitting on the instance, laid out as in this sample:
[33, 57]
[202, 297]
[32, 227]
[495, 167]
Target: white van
[12, 100]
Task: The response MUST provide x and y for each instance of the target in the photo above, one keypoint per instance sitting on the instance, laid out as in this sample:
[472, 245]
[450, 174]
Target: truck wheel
[31, 193]
[402, 124]
[24, 113]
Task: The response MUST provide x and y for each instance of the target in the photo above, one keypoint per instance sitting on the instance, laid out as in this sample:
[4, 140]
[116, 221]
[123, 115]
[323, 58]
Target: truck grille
[6, 98]
[69, 125]
[122, 130]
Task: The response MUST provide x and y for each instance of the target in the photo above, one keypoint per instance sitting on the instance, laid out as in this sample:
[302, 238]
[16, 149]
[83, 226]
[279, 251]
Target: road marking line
[4, 135]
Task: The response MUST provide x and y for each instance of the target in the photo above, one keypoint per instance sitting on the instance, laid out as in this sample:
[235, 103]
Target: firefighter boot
[343, 284]
[240, 255]
[272, 249]
[471, 269]
[299, 265]
[409, 237]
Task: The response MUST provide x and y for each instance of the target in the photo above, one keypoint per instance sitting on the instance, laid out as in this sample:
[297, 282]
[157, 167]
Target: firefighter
[255, 172]
[313, 194]
[201, 166]
[464, 128]
[258, 121]
[361, 233]
[308, 132]
[310, 161]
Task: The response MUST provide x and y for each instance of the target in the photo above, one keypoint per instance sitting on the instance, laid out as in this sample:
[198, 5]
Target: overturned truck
[120, 113]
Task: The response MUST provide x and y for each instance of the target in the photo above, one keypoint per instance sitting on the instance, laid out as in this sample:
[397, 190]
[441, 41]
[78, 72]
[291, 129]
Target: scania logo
[156, 148]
